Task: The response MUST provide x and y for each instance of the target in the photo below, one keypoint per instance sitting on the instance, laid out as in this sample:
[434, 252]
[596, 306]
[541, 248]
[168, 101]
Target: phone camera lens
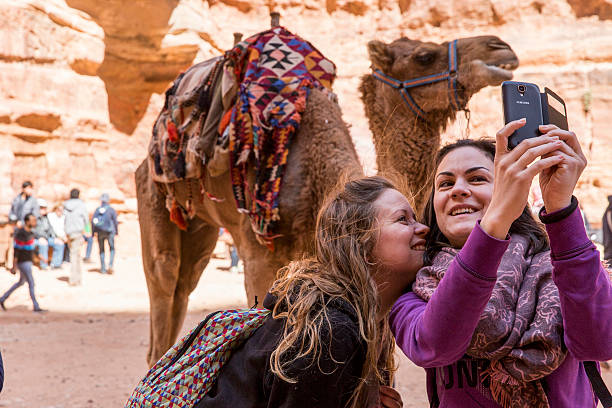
[521, 88]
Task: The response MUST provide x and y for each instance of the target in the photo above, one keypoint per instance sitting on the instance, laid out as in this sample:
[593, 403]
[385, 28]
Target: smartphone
[522, 100]
[554, 109]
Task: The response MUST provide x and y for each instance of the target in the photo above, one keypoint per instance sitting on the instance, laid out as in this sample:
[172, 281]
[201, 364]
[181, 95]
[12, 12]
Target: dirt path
[89, 349]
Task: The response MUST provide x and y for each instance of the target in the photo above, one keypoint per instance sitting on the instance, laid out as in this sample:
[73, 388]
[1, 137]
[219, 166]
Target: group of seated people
[501, 310]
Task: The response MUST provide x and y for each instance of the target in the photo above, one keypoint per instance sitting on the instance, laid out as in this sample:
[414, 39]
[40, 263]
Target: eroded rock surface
[81, 81]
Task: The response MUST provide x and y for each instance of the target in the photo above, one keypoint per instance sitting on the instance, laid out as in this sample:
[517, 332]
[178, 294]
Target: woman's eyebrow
[398, 212]
[445, 173]
[473, 169]
[470, 170]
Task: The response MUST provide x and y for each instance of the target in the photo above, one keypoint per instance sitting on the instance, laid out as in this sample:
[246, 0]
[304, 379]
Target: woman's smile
[463, 190]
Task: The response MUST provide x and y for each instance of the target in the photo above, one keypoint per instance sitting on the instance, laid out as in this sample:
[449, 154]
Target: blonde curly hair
[346, 233]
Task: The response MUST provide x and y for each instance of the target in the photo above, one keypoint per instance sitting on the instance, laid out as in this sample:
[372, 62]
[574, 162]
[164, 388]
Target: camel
[405, 138]
[321, 152]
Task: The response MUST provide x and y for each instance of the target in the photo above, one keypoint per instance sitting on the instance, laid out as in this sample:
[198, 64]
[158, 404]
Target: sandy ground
[89, 349]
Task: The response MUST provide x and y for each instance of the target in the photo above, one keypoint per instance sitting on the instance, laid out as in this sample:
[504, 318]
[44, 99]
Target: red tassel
[172, 132]
[176, 216]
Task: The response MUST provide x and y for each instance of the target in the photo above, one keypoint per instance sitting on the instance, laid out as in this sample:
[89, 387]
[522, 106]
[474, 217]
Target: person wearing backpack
[322, 338]
[104, 224]
[327, 342]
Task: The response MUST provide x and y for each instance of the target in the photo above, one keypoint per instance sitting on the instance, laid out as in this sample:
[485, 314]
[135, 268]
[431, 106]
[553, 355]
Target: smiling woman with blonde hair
[327, 341]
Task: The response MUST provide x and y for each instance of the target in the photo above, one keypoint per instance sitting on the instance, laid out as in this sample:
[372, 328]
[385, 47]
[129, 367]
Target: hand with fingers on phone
[514, 171]
[558, 182]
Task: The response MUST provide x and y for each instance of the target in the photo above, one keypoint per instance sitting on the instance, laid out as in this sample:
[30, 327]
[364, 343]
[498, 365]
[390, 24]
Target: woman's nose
[460, 189]
[421, 229]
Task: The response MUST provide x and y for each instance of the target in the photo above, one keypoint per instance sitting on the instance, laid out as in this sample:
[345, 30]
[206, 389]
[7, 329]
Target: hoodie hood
[76, 216]
[72, 204]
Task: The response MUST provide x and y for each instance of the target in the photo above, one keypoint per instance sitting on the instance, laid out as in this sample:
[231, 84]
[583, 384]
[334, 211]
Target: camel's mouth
[502, 71]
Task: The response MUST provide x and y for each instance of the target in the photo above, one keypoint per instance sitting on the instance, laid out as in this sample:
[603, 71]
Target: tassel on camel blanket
[177, 214]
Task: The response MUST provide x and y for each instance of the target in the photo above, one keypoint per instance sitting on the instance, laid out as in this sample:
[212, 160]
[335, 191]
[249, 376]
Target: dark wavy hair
[524, 225]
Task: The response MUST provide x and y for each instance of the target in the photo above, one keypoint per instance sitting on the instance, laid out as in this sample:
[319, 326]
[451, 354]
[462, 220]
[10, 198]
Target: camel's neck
[404, 144]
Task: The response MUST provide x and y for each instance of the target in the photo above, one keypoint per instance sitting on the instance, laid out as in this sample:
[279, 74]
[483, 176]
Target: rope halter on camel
[450, 75]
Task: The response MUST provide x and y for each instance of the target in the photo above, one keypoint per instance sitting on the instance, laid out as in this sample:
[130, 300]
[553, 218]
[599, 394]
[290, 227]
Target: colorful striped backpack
[188, 370]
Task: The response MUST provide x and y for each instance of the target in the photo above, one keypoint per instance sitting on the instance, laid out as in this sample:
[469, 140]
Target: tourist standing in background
[104, 223]
[88, 237]
[606, 226]
[44, 234]
[56, 219]
[24, 244]
[74, 224]
[25, 203]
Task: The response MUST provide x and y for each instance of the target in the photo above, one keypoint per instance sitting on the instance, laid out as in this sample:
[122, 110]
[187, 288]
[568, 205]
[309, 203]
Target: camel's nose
[497, 44]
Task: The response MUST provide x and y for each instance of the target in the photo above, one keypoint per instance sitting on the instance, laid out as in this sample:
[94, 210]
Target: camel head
[481, 61]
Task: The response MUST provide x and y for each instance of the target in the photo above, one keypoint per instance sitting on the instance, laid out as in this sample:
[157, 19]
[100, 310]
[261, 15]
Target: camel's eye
[425, 57]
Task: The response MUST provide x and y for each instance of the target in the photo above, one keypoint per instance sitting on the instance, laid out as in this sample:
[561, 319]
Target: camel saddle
[239, 113]
[185, 134]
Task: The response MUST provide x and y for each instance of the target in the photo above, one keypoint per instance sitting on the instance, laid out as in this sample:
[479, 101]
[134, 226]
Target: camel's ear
[380, 55]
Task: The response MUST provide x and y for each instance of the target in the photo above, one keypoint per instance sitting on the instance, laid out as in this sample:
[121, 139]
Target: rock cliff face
[81, 81]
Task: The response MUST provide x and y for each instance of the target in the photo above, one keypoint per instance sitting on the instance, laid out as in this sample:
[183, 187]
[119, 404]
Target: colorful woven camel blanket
[276, 71]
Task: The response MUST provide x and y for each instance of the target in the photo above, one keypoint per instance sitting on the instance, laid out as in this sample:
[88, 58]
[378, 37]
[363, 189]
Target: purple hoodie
[436, 334]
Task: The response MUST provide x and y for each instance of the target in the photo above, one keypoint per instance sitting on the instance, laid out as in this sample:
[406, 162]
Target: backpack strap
[188, 343]
[434, 400]
[599, 387]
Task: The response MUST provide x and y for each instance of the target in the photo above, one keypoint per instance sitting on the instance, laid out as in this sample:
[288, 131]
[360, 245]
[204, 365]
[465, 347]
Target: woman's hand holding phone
[558, 182]
[514, 171]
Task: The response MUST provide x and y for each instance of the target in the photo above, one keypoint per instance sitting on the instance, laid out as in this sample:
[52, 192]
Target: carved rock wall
[81, 81]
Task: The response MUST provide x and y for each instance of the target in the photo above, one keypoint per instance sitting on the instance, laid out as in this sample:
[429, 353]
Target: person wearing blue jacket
[104, 224]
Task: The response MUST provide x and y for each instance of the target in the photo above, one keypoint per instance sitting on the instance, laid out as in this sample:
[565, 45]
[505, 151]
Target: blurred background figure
[606, 225]
[74, 224]
[104, 224]
[44, 234]
[88, 237]
[235, 264]
[24, 257]
[25, 203]
[56, 219]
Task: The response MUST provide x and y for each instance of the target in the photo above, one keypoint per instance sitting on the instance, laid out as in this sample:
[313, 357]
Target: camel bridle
[449, 75]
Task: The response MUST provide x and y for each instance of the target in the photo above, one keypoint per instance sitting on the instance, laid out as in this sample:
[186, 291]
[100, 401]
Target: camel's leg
[161, 248]
[260, 266]
[197, 245]
[173, 262]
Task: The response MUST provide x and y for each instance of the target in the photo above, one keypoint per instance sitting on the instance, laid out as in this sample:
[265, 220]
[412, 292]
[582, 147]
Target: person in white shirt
[57, 219]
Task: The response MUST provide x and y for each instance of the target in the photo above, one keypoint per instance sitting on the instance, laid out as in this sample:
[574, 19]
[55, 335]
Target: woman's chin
[461, 233]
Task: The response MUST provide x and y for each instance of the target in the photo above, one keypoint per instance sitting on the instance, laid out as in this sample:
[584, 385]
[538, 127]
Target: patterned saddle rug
[249, 104]
[276, 70]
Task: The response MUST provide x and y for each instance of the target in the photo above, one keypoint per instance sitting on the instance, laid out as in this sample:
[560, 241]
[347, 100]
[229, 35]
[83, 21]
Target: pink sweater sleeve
[438, 332]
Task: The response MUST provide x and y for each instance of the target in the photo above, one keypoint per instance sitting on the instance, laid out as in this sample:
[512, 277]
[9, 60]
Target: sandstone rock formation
[81, 81]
